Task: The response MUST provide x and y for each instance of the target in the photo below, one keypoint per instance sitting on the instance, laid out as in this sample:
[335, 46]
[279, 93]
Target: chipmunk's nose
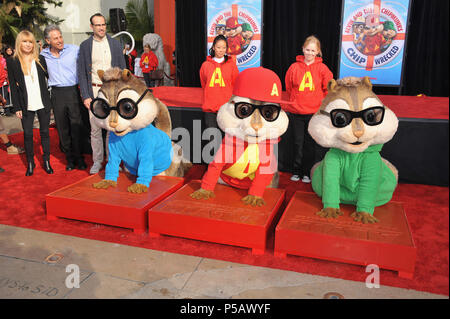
[256, 121]
[358, 128]
[113, 117]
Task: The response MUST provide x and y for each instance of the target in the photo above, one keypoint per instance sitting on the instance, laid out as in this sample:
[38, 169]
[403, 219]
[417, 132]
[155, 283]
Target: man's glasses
[269, 112]
[341, 118]
[126, 107]
[100, 25]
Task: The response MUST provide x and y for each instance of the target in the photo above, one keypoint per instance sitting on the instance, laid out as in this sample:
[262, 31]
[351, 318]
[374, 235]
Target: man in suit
[98, 52]
[62, 69]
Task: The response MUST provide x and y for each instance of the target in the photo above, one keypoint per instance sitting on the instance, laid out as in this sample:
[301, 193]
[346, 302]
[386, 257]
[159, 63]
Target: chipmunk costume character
[354, 124]
[252, 121]
[126, 108]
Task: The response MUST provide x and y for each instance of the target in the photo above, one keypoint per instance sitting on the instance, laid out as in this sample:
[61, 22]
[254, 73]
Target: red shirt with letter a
[217, 80]
[235, 44]
[242, 165]
[306, 85]
[373, 44]
[148, 62]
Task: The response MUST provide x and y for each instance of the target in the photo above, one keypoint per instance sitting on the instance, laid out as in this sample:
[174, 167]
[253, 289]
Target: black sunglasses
[126, 107]
[341, 118]
[269, 112]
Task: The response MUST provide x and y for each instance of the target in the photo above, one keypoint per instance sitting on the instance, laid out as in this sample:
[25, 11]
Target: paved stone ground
[36, 264]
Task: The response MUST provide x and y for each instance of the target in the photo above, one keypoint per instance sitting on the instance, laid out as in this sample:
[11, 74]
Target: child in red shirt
[306, 83]
[217, 76]
[149, 62]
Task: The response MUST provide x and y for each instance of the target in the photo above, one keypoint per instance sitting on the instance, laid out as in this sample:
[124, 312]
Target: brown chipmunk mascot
[253, 122]
[354, 124]
[127, 108]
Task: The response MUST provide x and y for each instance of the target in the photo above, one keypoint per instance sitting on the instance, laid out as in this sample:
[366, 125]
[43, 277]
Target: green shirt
[361, 179]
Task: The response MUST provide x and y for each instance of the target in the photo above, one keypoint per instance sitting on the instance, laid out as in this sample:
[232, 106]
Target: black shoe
[30, 169]
[47, 168]
[81, 165]
[1, 170]
[8, 111]
[70, 166]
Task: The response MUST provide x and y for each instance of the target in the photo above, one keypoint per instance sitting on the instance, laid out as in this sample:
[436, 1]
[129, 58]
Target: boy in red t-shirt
[149, 62]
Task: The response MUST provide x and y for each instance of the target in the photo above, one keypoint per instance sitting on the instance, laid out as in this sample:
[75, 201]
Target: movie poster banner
[240, 22]
[373, 40]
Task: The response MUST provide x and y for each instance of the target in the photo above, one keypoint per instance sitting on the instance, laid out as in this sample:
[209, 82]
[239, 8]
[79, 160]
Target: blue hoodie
[145, 153]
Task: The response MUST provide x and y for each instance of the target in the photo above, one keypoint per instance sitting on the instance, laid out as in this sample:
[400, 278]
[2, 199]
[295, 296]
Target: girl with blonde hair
[306, 83]
[27, 73]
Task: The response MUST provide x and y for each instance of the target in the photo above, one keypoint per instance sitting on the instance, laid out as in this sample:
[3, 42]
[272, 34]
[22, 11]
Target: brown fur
[391, 167]
[163, 121]
[177, 168]
[353, 90]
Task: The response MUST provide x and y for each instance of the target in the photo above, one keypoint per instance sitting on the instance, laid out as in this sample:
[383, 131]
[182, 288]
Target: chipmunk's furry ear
[162, 120]
[101, 74]
[126, 75]
[366, 82]
[331, 86]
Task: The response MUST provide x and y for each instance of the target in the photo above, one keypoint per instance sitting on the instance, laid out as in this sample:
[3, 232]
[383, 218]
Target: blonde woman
[27, 72]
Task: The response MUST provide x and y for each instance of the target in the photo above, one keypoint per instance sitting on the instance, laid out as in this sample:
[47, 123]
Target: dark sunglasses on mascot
[341, 118]
[269, 112]
[126, 108]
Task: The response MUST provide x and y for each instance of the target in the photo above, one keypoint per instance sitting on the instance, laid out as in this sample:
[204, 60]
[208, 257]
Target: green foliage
[139, 20]
[25, 14]
[7, 24]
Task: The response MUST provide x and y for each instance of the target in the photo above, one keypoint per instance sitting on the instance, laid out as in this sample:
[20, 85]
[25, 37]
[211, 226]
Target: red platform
[388, 243]
[114, 206]
[223, 219]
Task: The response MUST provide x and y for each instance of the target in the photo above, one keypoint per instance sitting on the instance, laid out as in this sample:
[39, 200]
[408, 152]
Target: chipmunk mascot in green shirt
[354, 124]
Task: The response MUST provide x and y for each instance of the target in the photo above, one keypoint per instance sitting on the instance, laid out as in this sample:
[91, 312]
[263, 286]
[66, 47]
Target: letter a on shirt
[217, 78]
[246, 165]
[307, 82]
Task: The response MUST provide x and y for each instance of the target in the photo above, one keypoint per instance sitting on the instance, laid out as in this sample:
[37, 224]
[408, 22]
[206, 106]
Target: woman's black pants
[27, 125]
